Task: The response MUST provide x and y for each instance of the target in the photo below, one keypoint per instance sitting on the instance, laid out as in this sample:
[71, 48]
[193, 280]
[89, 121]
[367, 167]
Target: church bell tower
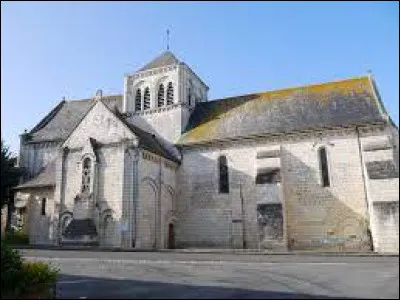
[160, 96]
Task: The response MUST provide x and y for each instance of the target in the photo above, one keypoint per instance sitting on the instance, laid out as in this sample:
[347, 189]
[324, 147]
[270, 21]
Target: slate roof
[164, 59]
[64, 118]
[147, 140]
[333, 104]
[78, 228]
[348, 102]
[59, 123]
[44, 178]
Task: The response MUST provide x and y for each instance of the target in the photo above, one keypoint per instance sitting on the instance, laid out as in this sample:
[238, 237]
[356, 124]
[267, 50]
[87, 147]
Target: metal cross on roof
[167, 39]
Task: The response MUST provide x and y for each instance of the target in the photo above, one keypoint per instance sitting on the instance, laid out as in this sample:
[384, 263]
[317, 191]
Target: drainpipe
[365, 186]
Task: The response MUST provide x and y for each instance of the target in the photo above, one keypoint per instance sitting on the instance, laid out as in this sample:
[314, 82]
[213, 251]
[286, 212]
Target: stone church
[313, 167]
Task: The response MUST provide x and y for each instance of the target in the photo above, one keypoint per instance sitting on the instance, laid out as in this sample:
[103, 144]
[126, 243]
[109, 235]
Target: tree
[9, 174]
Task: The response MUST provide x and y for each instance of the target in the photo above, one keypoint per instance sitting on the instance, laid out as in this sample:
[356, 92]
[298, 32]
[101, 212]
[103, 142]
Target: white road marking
[192, 262]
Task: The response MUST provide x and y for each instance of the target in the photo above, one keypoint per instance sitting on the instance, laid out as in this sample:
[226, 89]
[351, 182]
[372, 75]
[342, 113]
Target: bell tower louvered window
[138, 100]
[160, 96]
[170, 94]
[146, 99]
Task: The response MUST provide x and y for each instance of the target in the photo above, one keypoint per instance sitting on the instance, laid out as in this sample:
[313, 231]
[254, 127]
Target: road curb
[208, 251]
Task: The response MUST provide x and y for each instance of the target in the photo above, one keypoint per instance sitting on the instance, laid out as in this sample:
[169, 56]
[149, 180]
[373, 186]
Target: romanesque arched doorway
[108, 231]
[171, 236]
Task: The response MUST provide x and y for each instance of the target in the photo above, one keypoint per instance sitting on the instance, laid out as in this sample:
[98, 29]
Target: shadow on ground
[86, 287]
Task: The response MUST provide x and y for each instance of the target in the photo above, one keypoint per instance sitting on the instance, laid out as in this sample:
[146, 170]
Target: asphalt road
[152, 275]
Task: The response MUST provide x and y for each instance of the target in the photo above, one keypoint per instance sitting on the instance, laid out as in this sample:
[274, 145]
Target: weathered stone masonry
[160, 166]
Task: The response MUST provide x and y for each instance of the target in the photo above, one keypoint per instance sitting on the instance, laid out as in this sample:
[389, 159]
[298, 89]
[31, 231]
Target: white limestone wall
[166, 123]
[33, 157]
[314, 216]
[334, 217]
[194, 90]
[168, 199]
[40, 227]
[155, 200]
[112, 137]
[73, 178]
[101, 124]
[109, 187]
[383, 193]
[147, 203]
[130, 199]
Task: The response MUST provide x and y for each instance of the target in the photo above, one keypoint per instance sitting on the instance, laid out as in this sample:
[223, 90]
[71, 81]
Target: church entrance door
[171, 236]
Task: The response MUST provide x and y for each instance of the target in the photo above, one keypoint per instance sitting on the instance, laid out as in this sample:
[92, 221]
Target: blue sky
[55, 49]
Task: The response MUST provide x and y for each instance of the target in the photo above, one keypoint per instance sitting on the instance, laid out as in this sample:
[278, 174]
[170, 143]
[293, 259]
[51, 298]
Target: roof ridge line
[291, 88]
[88, 99]
[48, 117]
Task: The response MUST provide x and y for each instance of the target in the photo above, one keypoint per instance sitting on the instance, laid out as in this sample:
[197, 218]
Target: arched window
[323, 164]
[160, 96]
[170, 94]
[146, 98]
[43, 208]
[223, 175]
[65, 220]
[138, 100]
[86, 175]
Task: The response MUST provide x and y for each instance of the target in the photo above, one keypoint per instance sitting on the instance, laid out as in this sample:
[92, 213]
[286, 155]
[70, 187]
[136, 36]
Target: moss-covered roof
[332, 104]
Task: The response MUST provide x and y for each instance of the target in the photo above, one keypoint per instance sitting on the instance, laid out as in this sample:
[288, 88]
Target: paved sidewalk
[209, 251]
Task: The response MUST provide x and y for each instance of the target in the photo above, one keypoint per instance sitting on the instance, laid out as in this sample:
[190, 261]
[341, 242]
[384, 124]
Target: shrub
[11, 265]
[37, 279]
[17, 237]
[22, 279]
